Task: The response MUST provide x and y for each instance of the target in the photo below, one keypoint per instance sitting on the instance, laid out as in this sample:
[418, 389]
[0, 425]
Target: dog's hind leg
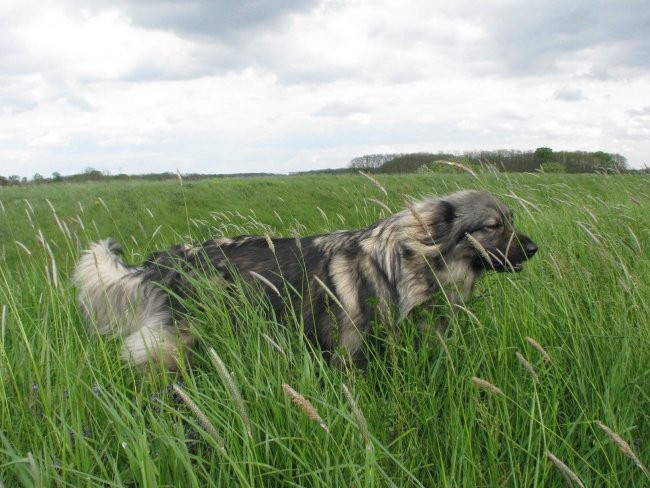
[157, 343]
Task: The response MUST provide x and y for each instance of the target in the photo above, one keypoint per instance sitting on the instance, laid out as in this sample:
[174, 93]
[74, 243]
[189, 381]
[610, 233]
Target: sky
[220, 86]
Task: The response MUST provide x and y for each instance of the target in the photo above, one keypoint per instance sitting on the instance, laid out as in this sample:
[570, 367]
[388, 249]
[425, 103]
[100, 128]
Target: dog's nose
[531, 248]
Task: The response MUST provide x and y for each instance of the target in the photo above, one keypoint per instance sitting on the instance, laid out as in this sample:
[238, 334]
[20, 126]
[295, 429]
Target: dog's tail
[116, 300]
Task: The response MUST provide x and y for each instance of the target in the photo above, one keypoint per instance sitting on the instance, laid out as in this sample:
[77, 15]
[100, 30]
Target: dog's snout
[530, 248]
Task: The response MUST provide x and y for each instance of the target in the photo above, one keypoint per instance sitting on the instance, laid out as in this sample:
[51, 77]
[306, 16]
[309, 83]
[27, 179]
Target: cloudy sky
[222, 86]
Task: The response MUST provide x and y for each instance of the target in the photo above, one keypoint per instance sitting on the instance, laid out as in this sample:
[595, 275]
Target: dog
[337, 284]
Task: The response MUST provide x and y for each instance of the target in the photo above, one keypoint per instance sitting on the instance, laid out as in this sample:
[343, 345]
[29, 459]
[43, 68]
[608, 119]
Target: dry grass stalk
[358, 415]
[274, 344]
[23, 247]
[593, 236]
[635, 239]
[623, 446]
[266, 282]
[34, 469]
[418, 218]
[529, 367]
[457, 165]
[103, 203]
[269, 242]
[377, 184]
[323, 214]
[479, 247]
[3, 323]
[444, 346]
[381, 204]
[29, 205]
[54, 276]
[539, 348]
[334, 298]
[234, 391]
[564, 469]
[203, 420]
[305, 405]
[487, 386]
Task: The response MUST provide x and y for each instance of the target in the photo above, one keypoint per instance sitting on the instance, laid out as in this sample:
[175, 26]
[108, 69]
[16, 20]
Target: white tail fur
[116, 301]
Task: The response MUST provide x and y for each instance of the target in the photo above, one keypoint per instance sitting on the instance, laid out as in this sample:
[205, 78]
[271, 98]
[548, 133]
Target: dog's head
[475, 227]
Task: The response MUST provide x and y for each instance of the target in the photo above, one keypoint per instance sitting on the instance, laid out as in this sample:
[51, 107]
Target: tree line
[94, 175]
[507, 160]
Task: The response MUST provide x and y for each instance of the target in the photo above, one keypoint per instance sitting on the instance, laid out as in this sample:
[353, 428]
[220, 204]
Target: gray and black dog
[338, 283]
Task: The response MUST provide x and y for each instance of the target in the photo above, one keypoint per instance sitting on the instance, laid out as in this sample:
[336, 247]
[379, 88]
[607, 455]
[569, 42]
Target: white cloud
[105, 46]
[283, 86]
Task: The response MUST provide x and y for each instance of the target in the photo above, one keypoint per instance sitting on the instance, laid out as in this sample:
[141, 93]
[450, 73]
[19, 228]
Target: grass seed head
[266, 282]
[273, 344]
[539, 348]
[359, 417]
[487, 386]
[623, 446]
[529, 367]
[269, 242]
[234, 391]
[305, 405]
[377, 184]
[202, 419]
[564, 469]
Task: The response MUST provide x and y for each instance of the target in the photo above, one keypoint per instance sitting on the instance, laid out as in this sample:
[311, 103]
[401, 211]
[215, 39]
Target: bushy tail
[117, 301]
[108, 290]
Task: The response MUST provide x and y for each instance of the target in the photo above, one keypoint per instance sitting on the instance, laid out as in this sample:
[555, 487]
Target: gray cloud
[568, 94]
[519, 39]
[534, 37]
[644, 112]
[217, 19]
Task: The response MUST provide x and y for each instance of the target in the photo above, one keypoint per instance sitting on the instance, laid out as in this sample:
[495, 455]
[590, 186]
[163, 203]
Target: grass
[547, 371]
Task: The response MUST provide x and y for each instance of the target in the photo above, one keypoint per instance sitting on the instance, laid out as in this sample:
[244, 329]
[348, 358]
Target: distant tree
[371, 161]
[38, 178]
[3, 181]
[14, 180]
[543, 154]
[609, 162]
[56, 176]
[92, 174]
[619, 162]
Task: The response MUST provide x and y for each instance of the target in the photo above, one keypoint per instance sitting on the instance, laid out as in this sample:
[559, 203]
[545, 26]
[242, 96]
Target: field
[543, 381]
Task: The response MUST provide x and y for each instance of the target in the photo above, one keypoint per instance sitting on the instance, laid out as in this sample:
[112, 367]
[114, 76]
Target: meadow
[544, 380]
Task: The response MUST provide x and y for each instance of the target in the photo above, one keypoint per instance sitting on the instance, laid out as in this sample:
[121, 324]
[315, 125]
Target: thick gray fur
[339, 283]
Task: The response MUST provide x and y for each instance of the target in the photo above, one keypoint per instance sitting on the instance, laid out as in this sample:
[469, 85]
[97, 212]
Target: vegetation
[543, 159]
[94, 175]
[543, 381]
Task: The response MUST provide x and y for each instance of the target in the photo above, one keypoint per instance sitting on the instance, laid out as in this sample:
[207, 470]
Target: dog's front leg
[350, 349]
[456, 296]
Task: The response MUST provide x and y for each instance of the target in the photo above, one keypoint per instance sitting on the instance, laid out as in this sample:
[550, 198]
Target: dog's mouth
[506, 267]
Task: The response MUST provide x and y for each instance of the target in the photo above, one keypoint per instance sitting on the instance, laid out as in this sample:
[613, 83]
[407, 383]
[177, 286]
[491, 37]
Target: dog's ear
[446, 211]
[441, 222]
[433, 224]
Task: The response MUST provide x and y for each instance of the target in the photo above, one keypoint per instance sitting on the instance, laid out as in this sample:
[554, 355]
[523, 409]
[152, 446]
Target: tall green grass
[483, 406]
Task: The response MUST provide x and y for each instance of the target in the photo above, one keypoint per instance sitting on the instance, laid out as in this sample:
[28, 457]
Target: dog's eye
[494, 225]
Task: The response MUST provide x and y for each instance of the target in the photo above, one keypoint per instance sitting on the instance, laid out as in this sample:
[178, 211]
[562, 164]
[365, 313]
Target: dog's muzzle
[522, 251]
